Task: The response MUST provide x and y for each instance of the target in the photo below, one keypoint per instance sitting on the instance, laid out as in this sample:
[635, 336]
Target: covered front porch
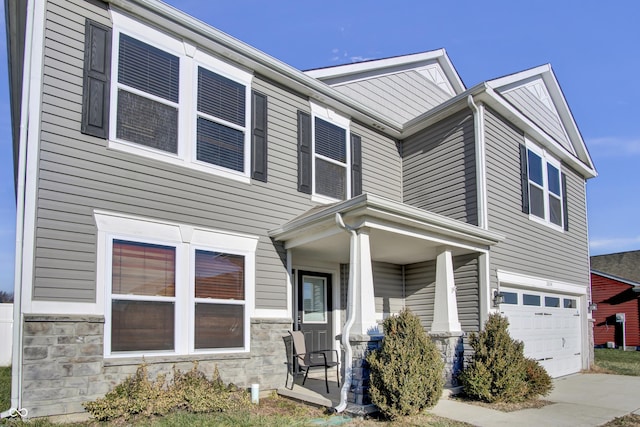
[381, 256]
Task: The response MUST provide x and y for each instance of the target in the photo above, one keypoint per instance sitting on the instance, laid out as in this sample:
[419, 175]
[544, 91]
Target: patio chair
[298, 359]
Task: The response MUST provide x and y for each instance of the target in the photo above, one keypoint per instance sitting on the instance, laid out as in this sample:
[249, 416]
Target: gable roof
[624, 265]
[536, 94]
[400, 87]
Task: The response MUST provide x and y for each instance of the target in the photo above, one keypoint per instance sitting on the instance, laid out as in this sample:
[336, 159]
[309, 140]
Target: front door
[315, 309]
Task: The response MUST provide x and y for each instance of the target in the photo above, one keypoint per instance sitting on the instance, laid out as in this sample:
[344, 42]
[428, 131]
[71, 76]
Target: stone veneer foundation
[451, 348]
[63, 363]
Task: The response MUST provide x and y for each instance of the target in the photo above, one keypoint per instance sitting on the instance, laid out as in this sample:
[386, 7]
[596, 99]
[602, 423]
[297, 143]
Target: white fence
[6, 333]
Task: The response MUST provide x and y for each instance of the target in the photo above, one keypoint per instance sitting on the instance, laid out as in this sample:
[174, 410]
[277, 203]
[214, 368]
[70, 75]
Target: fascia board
[382, 208]
[451, 106]
[616, 278]
[566, 116]
[496, 102]
[518, 77]
[248, 56]
[374, 65]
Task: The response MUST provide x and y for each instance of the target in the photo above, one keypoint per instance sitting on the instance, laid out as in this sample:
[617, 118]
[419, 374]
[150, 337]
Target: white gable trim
[419, 62]
[503, 107]
[569, 125]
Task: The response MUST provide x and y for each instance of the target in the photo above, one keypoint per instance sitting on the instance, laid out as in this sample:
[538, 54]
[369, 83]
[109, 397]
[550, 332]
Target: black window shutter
[305, 156]
[524, 178]
[356, 165]
[565, 211]
[259, 151]
[97, 77]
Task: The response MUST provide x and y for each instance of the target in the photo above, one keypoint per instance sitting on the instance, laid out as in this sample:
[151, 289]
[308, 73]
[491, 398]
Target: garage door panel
[550, 335]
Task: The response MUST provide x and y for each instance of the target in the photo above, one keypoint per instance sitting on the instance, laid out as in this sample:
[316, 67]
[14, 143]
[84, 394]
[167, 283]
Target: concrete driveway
[578, 400]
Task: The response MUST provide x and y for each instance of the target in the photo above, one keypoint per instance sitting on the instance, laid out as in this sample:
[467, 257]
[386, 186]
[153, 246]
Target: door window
[314, 299]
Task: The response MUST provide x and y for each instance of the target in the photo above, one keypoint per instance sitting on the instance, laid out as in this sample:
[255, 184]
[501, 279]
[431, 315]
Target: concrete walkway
[578, 400]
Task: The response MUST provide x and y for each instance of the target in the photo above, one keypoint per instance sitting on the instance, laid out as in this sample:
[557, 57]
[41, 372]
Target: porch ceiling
[399, 233]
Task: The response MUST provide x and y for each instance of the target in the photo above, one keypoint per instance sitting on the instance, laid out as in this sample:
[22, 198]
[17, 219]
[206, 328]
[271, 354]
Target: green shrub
[538, 380]
[498, 371]
[191, 391]
[406, 373]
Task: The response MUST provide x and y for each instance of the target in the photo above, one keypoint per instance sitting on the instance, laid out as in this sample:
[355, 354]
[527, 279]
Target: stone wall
[63, 363]
[451, 346]
[358, 398]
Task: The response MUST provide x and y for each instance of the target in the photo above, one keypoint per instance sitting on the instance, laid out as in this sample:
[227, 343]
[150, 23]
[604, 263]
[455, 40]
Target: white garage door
[549, 326]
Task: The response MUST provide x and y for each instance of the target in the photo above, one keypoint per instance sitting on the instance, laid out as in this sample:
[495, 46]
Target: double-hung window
[545, 187]
[329, 156]
[172, 289]
[176, 103]
[330, 160]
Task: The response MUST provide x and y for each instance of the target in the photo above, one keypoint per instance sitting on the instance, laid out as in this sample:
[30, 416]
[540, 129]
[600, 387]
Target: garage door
[549, 326]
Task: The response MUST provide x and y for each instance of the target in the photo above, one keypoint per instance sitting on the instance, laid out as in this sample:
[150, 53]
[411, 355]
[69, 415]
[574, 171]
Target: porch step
[306, 396]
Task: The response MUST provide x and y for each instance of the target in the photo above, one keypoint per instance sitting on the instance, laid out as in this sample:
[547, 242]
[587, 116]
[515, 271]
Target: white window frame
[343, 122]
[547, 159]
[186, 239]
[190, 58]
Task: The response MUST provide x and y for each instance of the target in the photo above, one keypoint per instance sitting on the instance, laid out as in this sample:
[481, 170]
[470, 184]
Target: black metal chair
[299, 359]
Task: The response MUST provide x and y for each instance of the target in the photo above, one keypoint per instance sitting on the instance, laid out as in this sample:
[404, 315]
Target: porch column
[365, 313]
[445, 305]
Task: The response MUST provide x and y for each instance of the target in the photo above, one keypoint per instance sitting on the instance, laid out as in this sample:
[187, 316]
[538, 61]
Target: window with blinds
[148, 95]
[219, 300]
[144, 303]
[330, 152]
[221, 120]
[194, 107]
[143, 288]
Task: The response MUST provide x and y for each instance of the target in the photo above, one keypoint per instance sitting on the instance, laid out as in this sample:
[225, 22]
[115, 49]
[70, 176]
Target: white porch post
[365, 313]
[445, 306]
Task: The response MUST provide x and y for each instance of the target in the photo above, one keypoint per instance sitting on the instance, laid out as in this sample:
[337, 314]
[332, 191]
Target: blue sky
[592, 47]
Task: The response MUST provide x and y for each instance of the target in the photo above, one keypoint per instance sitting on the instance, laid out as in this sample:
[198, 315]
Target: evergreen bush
[191, 391]
[498, 371]
[406, 373]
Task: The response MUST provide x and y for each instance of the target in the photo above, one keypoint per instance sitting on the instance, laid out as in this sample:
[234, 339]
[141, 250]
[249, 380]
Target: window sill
[177, 160]
[318, 198]
[151, 359]
[539, 220]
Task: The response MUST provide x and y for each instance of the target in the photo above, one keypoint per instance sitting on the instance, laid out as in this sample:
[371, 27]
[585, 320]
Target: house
[615, 289]
[184, 196]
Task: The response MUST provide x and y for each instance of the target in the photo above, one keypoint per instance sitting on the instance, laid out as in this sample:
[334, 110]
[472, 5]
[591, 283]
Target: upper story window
[329, 156]
[331, 177]
[147, 97]
[545, 187]
[176, 103]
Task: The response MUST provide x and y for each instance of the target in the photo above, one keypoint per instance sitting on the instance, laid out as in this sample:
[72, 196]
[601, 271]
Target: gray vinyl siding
[466, 276]
[381, 164]
[420, 282]
[78, 173]
[539, 112]
[420, 288]
[388, 288]
[530, 248]
[401, 96]
[439, 170]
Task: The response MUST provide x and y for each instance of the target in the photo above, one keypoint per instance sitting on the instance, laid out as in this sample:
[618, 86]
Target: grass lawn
[5, 388]
[618, 361]
[272, 411]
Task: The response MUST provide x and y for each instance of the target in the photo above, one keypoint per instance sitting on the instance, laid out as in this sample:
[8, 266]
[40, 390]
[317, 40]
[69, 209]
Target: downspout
[478, 128]
[18, 317]
[351, 312]
[481, 189]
